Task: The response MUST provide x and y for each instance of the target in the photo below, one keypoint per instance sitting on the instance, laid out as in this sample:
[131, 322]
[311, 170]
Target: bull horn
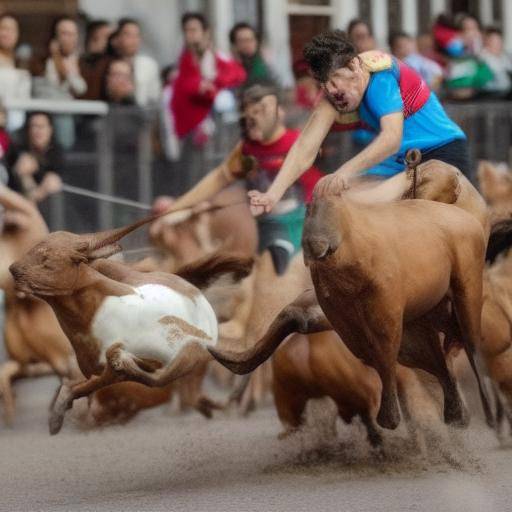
[111, 236]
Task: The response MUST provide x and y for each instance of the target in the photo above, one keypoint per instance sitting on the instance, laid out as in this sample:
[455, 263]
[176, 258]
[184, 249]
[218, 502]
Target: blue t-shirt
[426, 124]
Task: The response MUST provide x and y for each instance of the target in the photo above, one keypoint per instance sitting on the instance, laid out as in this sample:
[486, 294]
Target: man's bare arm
[304, 151]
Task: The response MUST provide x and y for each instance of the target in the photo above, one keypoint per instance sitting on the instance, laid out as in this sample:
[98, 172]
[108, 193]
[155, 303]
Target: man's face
[9, 33]
[196, 38]
[128, 40]
[345, 87]
[494, 44]
[246, 44]
[403, 47]
[262, 119]
[362, 38]
[67, 36]
[119, 80]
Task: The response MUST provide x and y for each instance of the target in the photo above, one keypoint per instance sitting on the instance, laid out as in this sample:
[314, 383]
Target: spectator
[426, 47]
[470, 32]
[246, 48]
[5, 139]
[202, 73]
[499, 62]
[62, 70]
[119, 84]
[94, 62]
[63, 77]
[307, 89]
[9, 34]
[36, 165]
[403, 47]
[14, 83]
[126, 44]
[360, 33]
[447, 37]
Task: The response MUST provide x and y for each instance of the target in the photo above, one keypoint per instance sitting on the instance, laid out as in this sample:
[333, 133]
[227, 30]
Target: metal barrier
[116, 155]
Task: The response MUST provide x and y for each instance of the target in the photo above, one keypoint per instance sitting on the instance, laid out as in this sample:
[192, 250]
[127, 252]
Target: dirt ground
[163, 461]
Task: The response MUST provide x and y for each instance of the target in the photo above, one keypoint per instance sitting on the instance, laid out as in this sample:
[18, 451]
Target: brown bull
[317, 365]
[123, 324]
[377, 266]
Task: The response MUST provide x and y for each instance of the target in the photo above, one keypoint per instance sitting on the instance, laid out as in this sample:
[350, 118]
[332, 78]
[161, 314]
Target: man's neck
[278, 133]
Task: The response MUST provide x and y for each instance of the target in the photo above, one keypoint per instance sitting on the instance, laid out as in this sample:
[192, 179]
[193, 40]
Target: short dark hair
[240, 26]
[493, 30]
[395, 36]
[358, 21]
[92, 27]
[126, 21]
[256, 92]
[195, 16]
[328, 51]
[59, 20]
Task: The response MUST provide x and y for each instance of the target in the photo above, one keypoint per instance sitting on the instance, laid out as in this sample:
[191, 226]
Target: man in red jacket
[257, 159]
[202, 74]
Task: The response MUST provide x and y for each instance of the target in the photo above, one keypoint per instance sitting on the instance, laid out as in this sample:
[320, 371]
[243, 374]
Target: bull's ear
[104, 252]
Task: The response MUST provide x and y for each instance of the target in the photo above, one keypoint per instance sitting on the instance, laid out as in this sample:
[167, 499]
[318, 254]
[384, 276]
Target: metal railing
[116, 156]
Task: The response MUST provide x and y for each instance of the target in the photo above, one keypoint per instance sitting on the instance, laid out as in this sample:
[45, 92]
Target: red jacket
[190, 106]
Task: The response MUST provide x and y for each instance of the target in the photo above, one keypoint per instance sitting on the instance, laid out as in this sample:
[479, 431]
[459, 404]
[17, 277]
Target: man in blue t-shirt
[380, 93]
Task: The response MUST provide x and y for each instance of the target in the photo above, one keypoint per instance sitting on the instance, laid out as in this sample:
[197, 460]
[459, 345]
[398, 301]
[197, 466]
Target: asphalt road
[163, 461]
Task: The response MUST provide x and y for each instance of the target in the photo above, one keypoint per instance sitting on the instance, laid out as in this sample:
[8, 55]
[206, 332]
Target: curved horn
[104, 238]
[302, 315]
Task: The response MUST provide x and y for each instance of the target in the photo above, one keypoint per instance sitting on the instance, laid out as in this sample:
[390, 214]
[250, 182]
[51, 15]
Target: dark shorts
[455, 153]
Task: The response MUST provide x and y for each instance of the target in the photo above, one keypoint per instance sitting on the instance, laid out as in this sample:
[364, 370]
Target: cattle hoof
[63, 401]
[456, 415]
[389, 417]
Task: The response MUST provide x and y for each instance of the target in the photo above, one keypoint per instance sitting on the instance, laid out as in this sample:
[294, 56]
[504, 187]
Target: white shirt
[147, 80]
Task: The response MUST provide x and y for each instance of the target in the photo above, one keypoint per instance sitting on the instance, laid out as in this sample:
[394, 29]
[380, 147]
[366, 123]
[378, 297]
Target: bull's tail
[500, 239]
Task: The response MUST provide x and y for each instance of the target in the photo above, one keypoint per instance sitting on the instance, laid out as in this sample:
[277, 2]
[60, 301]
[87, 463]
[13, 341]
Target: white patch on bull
[143, 322]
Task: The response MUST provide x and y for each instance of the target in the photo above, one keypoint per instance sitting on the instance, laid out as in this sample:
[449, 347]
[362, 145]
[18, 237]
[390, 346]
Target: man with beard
[386, 96]
[257, 158]
[246, 47]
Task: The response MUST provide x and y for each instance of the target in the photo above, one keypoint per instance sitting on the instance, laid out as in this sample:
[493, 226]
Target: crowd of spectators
[458, 58]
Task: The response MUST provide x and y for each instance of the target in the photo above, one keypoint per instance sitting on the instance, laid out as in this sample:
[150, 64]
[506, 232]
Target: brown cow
[148, 327]
[365, 259]
[34, 340]
[318, 365]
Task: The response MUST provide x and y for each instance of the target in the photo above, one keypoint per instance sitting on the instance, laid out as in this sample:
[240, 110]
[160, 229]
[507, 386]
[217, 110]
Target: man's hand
[261, 202]
[26, 165]
[332, 185]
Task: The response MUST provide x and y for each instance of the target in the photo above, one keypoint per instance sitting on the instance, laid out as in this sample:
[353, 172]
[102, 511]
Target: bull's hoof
[61, 404]
[389, 416]
[456, 414]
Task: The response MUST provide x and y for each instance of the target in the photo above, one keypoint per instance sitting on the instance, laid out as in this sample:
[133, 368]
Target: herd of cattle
[380, 291]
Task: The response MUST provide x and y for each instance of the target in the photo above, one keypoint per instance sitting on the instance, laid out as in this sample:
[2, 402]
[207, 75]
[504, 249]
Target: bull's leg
[421, 348]
[67, 394]
[8, 372]
[302, 315]
[374, 436]
[389, 413]
[467, 304]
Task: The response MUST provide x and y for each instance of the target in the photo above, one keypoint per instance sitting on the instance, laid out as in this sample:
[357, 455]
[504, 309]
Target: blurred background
[90, 130]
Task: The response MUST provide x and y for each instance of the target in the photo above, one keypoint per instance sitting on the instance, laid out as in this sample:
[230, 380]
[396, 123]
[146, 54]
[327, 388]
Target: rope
[104, 197]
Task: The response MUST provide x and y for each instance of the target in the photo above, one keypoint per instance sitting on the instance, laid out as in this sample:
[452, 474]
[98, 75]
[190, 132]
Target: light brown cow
[376, 266]
[316, 365]
[123, 324]
[34, 340]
